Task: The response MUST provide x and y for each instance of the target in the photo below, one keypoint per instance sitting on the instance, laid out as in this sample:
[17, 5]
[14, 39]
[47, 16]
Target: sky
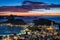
[19, 2]
[39, 11]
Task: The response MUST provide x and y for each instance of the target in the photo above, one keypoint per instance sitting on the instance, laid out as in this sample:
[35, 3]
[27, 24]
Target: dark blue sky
[18, 2]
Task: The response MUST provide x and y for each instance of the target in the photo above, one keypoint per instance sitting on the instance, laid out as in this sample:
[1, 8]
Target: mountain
[43, 21]
[28, 19]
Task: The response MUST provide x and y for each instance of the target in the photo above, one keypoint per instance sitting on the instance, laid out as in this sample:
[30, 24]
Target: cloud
[52, 10]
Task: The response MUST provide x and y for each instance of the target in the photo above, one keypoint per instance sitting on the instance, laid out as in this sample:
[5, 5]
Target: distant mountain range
[29, 5]
[28, 19]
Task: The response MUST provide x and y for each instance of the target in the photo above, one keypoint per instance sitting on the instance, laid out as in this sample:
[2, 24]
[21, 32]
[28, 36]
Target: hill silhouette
[42, 21]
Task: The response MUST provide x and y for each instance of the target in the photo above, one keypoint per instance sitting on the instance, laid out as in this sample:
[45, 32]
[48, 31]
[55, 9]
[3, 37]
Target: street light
[50, 28]
[26, 31]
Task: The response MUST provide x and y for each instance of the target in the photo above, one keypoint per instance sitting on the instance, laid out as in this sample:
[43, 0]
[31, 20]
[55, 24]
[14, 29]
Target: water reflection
[4, 30]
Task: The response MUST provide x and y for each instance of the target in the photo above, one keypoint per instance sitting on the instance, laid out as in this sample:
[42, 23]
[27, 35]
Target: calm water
[4, 30]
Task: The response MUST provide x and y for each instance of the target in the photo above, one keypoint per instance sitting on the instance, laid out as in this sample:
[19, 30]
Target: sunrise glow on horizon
[15, 7]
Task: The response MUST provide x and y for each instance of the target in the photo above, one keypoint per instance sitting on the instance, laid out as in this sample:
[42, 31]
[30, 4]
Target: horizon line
[28, 14]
